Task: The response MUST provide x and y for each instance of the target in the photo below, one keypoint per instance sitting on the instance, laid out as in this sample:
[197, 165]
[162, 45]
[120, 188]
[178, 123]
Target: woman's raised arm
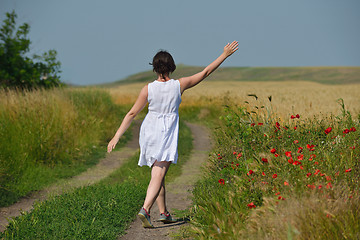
[189, 82]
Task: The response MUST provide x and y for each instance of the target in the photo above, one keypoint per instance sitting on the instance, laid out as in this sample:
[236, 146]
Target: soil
[178, 192]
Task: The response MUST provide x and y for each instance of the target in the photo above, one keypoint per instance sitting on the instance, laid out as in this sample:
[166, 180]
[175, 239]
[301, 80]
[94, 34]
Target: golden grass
[288, 97]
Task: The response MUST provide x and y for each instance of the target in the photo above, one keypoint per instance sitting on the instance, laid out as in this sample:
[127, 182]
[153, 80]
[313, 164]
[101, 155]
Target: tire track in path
[178, 191]
[94, 174]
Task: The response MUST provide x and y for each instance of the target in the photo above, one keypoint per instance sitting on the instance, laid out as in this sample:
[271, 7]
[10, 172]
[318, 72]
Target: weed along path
[94, 174]
[178, 191]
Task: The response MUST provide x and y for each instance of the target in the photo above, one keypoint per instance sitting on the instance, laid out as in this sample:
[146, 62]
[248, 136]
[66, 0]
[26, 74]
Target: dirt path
[106, 166]
[178, 193]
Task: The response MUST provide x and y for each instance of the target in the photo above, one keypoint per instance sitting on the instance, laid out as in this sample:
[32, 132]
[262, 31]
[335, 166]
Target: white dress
[159, 131]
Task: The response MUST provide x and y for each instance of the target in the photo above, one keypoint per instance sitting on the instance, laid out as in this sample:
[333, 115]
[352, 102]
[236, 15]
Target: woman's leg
[161, 199]
[158, 173]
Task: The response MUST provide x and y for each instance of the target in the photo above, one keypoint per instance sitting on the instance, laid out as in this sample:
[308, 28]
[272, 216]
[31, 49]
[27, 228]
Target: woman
[159, 131]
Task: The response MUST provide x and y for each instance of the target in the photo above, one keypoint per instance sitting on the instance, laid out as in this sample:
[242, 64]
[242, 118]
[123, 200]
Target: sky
[105, 41]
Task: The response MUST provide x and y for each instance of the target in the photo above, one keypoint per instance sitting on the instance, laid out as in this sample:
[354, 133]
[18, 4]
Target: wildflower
[260, 124]
[279, 197]
[250, 172]
[278, 193]
[286, 183]
[296, 163]
[237, 164]
[291, 161]
[288, 154]
[353, 147]
[264, 160]
[251, 205]
[292, 117]
[300, 157]
[328, 185]
[299, 149]
[276, 155]
[317, 171]
[234, 153]
[297, 116]
[328, 130]
[274, 176]
[316, 163]
[296, 141]
[348, 170]
[353, 129]
[277, 125]
[310, 147]
[320, 186]
[308, 174]
[295, 128]
[328, 178]
[253, 124]
[239, 155]
[273, 150]
[301, 167]
[263, 173]
[311, 186]
[221, 181]
[346, 131]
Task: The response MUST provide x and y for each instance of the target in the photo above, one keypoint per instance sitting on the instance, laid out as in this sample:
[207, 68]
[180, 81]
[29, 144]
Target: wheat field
[288, 97]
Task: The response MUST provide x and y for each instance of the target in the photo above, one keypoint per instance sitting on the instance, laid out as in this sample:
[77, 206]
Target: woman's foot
[166, 218]
[145, 218]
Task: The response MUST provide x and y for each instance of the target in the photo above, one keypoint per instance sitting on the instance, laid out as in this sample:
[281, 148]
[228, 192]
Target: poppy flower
[250, 172]
[352, 147]
[296, 163]
[348, 170]
[251, 205]
[221, 181]
[278, 193]
[301, 167]
[291, 161]
[276, 155]
[308, 174]
[317, 171]
[260, 124]
[328, 185]
[295, 128]
[277, 125]
[328, 178]
[316, 163]
[288, 154]
[300, 157]
[239, 155]
[264, 160]
[346, 131]
[311, 186]
[328, 130]
[320, 186]
[292, 117]
[234, 153]
[237, 164]
[286, 183]
[353, 129]
[273, 150]
[297, 116]
[253, 124]
[274, 176]
[279, 197]
[299, 149]
[296, 141]
[310, 147]
[263, 173]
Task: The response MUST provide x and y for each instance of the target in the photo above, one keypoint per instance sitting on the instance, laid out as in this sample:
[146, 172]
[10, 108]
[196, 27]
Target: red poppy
[328, 185]
[278, 193]
[296, 141]
[296, 163]
[277, 125]
[316, 163]
[346, 131]
[353, 129]
[292, 117]
[320, 186]
[251, 205]
[328, 178]
[299, 149]
[250, 172]
[221, 181]
[237, 164]
[348, 170]
[301, 167]
[273, 150]
[295, 128]
[286, 183]
[264, 160]
[239, 155]
[297, 116]
[328, 130]
[290, 160]
[317, 171]
[274, 176]
[311, 186]
[253, 124]
[263, 173]
[300, 157]
[260, 124]
[353, 147]
[310, 146]
[234, 153]
[308, 174]
[288, 154]
[276, 155]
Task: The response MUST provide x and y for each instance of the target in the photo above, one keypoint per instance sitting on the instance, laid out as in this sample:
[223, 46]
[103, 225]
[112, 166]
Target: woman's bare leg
[158, 173]
[161, 199]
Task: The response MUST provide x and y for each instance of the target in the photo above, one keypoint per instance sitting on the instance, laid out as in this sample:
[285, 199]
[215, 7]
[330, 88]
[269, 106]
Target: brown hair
[163, 63]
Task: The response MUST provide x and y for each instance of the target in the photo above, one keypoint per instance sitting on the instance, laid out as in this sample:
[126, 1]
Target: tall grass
[272, 178]
[45, 135]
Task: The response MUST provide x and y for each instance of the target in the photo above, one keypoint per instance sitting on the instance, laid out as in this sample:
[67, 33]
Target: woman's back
[164, 97]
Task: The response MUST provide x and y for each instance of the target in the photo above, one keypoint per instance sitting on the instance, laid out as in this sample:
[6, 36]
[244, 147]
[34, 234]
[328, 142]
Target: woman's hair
[163, 63]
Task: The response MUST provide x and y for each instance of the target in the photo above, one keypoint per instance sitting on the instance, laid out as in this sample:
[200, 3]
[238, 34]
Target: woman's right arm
[189, 82]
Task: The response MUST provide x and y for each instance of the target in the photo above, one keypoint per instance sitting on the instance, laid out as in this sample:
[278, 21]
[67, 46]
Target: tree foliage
[16, 68]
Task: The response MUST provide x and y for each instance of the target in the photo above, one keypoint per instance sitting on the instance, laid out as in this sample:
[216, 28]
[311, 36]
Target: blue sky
[104, 41]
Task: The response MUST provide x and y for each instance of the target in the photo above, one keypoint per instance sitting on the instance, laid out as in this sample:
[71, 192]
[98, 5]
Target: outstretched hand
[112, 144]
[230, 48]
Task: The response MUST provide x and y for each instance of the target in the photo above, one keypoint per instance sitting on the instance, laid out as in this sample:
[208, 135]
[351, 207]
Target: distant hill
[325, 75]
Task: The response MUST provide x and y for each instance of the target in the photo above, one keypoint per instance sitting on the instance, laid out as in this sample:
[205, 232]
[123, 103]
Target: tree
[16, 68]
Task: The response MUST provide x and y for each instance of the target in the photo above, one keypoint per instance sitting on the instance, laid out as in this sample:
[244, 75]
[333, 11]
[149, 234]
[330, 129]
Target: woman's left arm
[138, 106]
